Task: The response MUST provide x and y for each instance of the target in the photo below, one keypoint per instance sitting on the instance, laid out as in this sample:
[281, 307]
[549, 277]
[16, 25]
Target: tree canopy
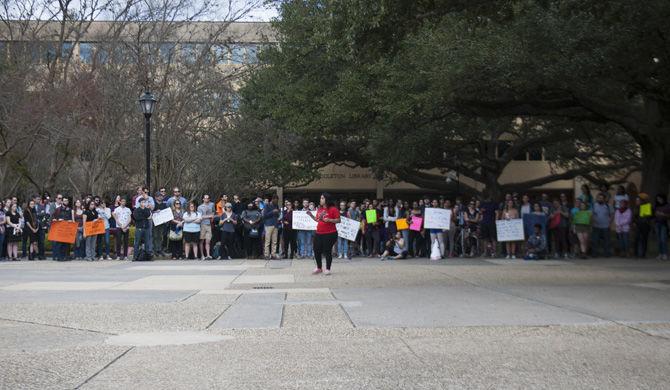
[418, 89]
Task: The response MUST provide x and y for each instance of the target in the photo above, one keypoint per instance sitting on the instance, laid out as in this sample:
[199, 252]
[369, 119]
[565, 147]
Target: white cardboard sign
[348, 228]
[302, 221]
[510, 230]
[437, 219]
[163, 216]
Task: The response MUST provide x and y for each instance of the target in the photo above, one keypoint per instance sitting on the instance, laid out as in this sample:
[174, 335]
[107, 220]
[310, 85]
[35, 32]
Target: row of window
[45, 52]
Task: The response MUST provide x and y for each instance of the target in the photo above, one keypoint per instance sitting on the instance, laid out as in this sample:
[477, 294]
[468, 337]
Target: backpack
[142, 255]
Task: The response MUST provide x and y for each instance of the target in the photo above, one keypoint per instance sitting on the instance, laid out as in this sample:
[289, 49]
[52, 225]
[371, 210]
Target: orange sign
[94, 228]
[401, 224]
[63, 231]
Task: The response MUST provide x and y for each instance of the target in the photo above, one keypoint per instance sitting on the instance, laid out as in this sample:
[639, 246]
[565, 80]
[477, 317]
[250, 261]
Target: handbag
[175, 235]
[254, 233]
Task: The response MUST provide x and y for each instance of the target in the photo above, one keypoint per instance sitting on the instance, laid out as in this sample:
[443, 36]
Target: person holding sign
[90, 215]
[372, 234]
[343, 243]
[510, 212]
[327, 216]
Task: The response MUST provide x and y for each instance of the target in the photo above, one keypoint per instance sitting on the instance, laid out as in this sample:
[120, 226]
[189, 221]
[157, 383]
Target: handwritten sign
[94, 228]
[63, 231]
[371, 216]
[302, 221]
[437, 218]
[416, 224]
[348, 228]
[401, 224]
[163, 216]
[510, 230]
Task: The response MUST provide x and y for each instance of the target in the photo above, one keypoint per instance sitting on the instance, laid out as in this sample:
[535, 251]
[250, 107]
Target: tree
[418, 89]
[73, 125]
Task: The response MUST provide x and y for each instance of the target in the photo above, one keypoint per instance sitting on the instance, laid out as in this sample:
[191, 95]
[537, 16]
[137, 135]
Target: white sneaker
[507, 257]
[326, 272]
[513, 257]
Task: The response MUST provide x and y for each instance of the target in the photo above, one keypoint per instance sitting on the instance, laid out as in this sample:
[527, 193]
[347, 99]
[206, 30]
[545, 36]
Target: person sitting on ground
[395, 248]
[537, 244]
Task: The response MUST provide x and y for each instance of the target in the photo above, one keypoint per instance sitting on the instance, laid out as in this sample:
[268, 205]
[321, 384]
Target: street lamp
[148, 104]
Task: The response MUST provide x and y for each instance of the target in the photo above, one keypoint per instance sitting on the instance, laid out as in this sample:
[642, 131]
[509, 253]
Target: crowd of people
[599, 223]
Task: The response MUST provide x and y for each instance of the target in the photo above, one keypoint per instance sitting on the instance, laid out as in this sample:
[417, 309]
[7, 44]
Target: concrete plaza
[414, 324]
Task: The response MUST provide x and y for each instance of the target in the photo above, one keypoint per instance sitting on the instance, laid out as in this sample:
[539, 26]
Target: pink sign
[416, 224]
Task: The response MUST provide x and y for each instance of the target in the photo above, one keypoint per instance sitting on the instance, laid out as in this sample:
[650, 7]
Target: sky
[261, 14]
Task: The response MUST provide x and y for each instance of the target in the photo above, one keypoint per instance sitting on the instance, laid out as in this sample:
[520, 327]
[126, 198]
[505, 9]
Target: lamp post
[147, 104]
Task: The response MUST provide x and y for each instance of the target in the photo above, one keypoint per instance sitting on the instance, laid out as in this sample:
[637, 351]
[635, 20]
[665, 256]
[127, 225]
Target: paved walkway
[415, 324]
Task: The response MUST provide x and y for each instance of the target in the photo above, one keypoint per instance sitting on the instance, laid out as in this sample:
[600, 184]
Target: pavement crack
[224, 310]
[283, 308]
[188, 297]
[346, 313]
[104, 368]
[58, 326]
[416, 355]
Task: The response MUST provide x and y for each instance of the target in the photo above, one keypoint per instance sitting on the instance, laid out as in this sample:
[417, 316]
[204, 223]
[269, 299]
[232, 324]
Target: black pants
[641, 239]
[177, 248]
[289, 240]
[323, 246]
[252, 246]
[227, 244]
[122, 242]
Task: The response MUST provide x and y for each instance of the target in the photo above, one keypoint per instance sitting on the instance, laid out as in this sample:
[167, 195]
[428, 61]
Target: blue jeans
[305, 244]
[662, 235]
[80, 249]
[601, 236]
[342, 247]
[2, 241]
[143, 234]
[623, 242]
[103, 239]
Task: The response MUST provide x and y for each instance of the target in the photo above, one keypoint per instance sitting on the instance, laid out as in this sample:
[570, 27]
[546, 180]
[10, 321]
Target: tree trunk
[655, 166]
[492, 189]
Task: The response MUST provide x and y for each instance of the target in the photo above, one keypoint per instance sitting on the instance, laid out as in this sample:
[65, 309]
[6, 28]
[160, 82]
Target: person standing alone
[327, 216]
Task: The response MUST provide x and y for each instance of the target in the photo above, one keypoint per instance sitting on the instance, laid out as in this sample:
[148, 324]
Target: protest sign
[401, 224]
[371, 216]
[163, 216]
[63, 231]
[94, 228]
[348, 228]
[510, 230]
[437, 218]
[302, 221]
[416, 224]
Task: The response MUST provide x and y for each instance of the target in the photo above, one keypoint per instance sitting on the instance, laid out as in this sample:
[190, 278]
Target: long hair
[330, 200]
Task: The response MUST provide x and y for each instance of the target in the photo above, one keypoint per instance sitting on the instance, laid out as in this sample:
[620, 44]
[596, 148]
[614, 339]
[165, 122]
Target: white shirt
[105, 214]
[122, 216]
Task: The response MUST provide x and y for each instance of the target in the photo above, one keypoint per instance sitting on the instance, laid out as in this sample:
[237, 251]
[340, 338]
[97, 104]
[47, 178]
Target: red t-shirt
[326, 227]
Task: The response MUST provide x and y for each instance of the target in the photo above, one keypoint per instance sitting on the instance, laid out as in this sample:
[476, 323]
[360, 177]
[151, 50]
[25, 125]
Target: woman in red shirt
[327, 216]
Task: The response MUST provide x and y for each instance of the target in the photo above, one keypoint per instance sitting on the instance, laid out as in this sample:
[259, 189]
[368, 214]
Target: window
[166, 51]
[535, 154]
[252, 54]
[66, 49]
[222, 54]
[237, 54]
[86, 53]
[189, 53]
